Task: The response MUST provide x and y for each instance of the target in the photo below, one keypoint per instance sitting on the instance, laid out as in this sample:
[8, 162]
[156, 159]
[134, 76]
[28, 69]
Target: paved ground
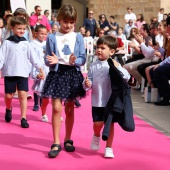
[157, 116]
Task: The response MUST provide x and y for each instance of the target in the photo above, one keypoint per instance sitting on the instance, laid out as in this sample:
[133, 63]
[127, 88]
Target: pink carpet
[26, 149]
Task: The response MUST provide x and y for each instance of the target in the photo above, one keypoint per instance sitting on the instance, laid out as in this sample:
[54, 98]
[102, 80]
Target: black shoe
[8, 115]
[24, 123]
[69, 148]
[54, 153]
[77, 103]
[162, 103]
[35, 108]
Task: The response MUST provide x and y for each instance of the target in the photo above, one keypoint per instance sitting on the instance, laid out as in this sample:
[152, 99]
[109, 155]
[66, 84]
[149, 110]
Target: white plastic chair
[126, 49]
[88, 42]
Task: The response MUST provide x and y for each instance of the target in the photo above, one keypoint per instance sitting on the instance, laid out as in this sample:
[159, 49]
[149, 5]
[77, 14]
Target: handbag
[151, 95]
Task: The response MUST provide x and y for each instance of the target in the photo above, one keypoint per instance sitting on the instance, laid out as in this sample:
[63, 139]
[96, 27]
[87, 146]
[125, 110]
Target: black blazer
[119, 107]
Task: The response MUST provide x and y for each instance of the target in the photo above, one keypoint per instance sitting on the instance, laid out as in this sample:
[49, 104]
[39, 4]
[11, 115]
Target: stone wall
[118, 8]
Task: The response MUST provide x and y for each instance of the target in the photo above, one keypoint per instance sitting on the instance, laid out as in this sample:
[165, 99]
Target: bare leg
[148, 75]
[22, 95]
[111, 135]
[56, 120]
[97, 126]
[69, 121]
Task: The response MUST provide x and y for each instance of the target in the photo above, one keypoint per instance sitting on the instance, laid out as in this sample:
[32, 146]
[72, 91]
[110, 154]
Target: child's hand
[52, 59]
[38, 76]
[158, 54]
[116, 64]
[41, 75]
[87, 83]
[72, 59]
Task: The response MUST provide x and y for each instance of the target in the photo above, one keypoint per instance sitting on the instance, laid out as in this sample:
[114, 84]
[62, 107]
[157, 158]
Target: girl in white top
[39, 47]
[65, 53]
[120, 34]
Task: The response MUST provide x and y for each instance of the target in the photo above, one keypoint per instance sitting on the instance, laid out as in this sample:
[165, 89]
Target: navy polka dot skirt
[65, 84]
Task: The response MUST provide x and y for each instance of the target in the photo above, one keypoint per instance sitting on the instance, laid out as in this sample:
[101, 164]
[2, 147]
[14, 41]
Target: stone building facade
[118, 8]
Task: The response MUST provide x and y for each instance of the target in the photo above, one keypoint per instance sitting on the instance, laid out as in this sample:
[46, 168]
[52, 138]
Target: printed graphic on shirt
[66, 50]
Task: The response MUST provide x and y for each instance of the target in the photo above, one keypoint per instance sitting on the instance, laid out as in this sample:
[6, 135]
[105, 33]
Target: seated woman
[100, 33]
[149, 56]
[103, 23]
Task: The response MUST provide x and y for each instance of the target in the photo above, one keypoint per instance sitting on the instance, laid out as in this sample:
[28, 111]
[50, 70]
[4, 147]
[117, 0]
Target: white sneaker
[95, 143]
[44, 118]
[15, 96]
[108, 153]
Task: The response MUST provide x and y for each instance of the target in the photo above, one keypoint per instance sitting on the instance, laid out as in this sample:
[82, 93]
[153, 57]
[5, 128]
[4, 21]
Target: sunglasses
[91, 13]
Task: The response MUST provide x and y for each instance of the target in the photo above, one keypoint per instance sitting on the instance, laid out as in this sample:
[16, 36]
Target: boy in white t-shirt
[130, 15]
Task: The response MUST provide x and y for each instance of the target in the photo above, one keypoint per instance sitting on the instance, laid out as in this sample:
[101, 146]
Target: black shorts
[98, 114]
[16, 82]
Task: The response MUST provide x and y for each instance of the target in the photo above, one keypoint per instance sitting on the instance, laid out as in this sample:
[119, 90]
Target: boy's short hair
[108, 40]
[17, 21]
[38, 27]
[113, 17]
[67, 12]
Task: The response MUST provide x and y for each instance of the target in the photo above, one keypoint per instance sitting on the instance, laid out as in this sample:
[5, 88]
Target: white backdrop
[17, 4]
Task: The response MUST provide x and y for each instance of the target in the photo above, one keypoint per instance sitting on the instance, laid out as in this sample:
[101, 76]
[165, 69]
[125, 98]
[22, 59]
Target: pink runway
[27, 149]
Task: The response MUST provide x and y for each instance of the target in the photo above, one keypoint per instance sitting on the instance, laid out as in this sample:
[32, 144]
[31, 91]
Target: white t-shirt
[131, 16]
[159, 38]
[65, 46]
[160, 17]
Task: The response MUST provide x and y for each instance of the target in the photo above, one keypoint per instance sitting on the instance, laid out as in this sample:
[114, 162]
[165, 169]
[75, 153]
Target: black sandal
[54, 153]
[69, 148]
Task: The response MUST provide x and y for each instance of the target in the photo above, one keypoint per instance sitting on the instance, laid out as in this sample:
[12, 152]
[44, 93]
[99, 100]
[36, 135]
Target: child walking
[99, 81]
[16, 54]
[39, 46]
[65, 53]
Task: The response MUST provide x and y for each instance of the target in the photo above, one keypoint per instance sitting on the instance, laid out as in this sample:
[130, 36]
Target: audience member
[140, 21]
[38, 18]
[90, 23]
[114, 26]
[103, 23]
[128, 27]
[130, 15]
[120, 34]
[160, 14]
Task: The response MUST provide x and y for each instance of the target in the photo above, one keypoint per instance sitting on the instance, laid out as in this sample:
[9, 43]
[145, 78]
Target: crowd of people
[149, 43]
[51, 52]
